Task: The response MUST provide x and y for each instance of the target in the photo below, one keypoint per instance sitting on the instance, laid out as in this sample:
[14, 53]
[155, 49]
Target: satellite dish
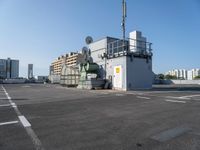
[84, 50]
[88, 40]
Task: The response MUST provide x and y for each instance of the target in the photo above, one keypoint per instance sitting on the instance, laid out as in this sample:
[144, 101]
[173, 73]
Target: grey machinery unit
[70, 76]
[85, 74]
[90, 77]
[90, 72]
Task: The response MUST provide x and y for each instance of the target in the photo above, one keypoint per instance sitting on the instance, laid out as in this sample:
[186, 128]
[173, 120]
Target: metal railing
[130, 46]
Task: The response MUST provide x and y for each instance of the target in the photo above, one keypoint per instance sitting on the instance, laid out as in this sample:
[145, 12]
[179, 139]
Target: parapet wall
[177, 82]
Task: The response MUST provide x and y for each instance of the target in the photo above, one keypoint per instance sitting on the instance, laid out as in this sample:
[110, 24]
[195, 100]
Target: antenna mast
[124, 15]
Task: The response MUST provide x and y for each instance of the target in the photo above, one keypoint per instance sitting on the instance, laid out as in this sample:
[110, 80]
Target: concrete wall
[179, 82]
[139, 73]
[14, 81]
[98, 48]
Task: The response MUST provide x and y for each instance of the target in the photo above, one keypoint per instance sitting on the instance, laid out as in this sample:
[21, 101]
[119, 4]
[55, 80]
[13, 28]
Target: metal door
[117, 77]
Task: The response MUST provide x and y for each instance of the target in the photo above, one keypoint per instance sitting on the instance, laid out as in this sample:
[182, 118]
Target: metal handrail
[117, 47]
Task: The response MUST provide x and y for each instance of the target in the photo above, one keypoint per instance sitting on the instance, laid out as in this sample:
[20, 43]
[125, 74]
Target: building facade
[9, 68]
[30, 71]
[70, 59]
[193, 73]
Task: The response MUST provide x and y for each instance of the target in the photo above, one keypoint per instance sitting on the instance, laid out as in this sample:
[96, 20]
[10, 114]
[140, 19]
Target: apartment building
[193, 73]
[179, 73]
[70, 59]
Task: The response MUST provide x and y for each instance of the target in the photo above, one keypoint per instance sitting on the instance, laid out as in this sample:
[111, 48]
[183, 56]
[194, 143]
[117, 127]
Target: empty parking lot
[51, 117]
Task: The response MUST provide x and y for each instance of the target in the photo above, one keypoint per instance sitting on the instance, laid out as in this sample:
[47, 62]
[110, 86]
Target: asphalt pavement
[52, 117]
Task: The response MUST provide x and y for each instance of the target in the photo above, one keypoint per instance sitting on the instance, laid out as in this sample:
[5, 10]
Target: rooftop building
[126, 64]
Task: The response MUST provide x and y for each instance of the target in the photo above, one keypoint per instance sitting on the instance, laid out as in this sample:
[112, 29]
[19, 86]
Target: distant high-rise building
[193, 73]
[30, 71]
[14, 69]
[184, 74]
[179, 73]
[9, 68]
[190, 75]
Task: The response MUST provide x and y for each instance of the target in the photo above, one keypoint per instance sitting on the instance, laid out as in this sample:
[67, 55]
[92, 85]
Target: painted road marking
[13, 105]
[5, 105]
[143, 97]
[119, 94]
[36, 141]
[135, 93]
[177, 97]
[175, 101]
[24, 121]
[7, 123]
[189, 96]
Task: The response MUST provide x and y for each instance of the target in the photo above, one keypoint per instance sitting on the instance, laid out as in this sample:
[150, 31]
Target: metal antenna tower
[124, 15]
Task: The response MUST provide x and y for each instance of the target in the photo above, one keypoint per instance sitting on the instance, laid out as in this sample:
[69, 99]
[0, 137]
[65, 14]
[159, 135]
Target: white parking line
[14, 105]
[24, 121]
[7, 123]
[189, 96]
[119, 94]
[177, 97]
[143, 97]
[175, 101]
[131, 93]
[5, 105]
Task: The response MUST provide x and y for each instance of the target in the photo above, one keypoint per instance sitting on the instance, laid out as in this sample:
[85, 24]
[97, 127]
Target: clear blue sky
[38, 31]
